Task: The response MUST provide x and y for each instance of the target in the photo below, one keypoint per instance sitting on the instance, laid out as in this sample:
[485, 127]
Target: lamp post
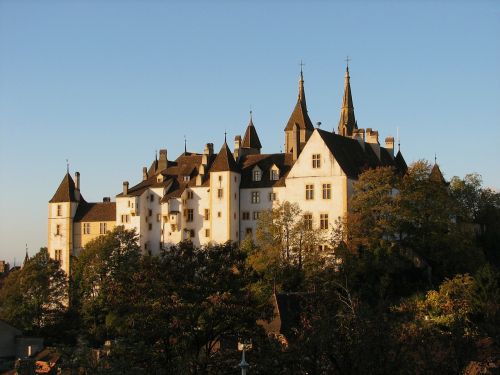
[244, 346]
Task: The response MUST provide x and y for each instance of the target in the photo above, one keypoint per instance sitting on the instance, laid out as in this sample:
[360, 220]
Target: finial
[26, 249]
[225, 135]
[347, 59]
[301, 65]
[435, 158]
[397, 136]
[156, 154]
[185, 145]
[67, 166]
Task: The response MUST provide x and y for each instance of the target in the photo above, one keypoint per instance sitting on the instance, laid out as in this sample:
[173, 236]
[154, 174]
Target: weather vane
[347, 59]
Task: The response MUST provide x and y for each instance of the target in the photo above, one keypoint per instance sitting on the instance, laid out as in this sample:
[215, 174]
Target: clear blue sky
[106, 83]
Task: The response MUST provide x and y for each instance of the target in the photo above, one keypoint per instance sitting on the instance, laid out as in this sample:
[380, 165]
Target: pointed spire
[302, 95]
[436, 174]
[347, 121]
[26, 257]
[251, 139]
[299, 115]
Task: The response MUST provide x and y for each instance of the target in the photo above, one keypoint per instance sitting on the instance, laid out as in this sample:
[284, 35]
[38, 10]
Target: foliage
[33, 298]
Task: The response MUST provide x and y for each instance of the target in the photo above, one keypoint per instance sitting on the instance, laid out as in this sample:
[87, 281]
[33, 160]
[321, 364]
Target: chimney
[145, 173]
[106, 199]
[163, 162]
[125, 187]
[389, 145]
[237, 146]
[77, 180]
[359, 135]
[372, 139]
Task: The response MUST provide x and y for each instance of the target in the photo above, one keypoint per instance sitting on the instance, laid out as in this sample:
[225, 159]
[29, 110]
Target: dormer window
[159, 178]
[256, 174]
[275, 175]
[186, 178]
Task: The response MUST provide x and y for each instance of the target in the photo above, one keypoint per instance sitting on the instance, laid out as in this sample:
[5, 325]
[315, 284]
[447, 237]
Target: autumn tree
[34, 298]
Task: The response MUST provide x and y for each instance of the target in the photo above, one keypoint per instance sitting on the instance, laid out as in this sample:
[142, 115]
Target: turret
[299, 127]
[347, 122]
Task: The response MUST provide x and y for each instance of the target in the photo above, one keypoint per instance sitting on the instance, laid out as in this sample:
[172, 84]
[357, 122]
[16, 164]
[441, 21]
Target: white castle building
[217, 197]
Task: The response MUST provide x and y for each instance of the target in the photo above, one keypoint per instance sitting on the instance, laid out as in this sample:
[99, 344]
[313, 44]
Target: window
[150, 212]
[327, 191]
[308, 221]
[245, 216]
[125, 219]
[256, 215]
[185, 178]
[207, 214]
[103, 228]
[190, 214]
[58, 255]
[220, 178]
[309, 192]
[191, 233]
[152, 197]
[272, 197]
[275, 175]
[207, 232]
[316, 158]
[58, 230]
[248, 231]
[150, 226]
[220, 193]
[255, 197]
[158, 217]
[323, 221]
[219, 214]
[59, 210]
[190, 194]
[128, 203]
[256, 175]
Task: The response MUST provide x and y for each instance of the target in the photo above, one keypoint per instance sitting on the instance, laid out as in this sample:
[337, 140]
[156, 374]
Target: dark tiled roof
[265, 162]
[251, 139]
[224, 161]
[66, 192]
[105, 211]
[436, 174]
[300, 117]
[351, 156]
[400, 163]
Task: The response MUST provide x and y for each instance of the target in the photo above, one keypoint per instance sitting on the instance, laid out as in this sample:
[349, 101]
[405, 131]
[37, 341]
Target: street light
[242, 347]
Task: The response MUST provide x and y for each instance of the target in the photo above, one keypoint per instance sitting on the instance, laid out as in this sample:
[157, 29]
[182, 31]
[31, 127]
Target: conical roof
[251, 139]
[436, 174]
[347, 122]
[224, 161]
[400, 163]
[66, 192]
[299, 115]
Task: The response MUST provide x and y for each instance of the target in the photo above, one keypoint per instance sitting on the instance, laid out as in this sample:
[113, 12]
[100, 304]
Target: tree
[34, 298]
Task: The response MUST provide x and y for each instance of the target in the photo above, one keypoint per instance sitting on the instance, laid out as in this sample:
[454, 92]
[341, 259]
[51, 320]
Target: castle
[218, 197]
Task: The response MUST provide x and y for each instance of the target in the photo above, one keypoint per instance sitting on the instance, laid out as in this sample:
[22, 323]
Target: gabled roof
[265, 162]
[251, 139]
[350, 155]
[101, 211]
[299, 115]
[224, 161]
[66, 192]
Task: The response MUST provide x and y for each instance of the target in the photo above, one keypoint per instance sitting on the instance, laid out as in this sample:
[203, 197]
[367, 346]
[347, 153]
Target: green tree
[34, 298]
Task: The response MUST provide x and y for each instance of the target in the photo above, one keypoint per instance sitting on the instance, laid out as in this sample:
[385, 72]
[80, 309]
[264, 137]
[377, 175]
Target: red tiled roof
[102, 211]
